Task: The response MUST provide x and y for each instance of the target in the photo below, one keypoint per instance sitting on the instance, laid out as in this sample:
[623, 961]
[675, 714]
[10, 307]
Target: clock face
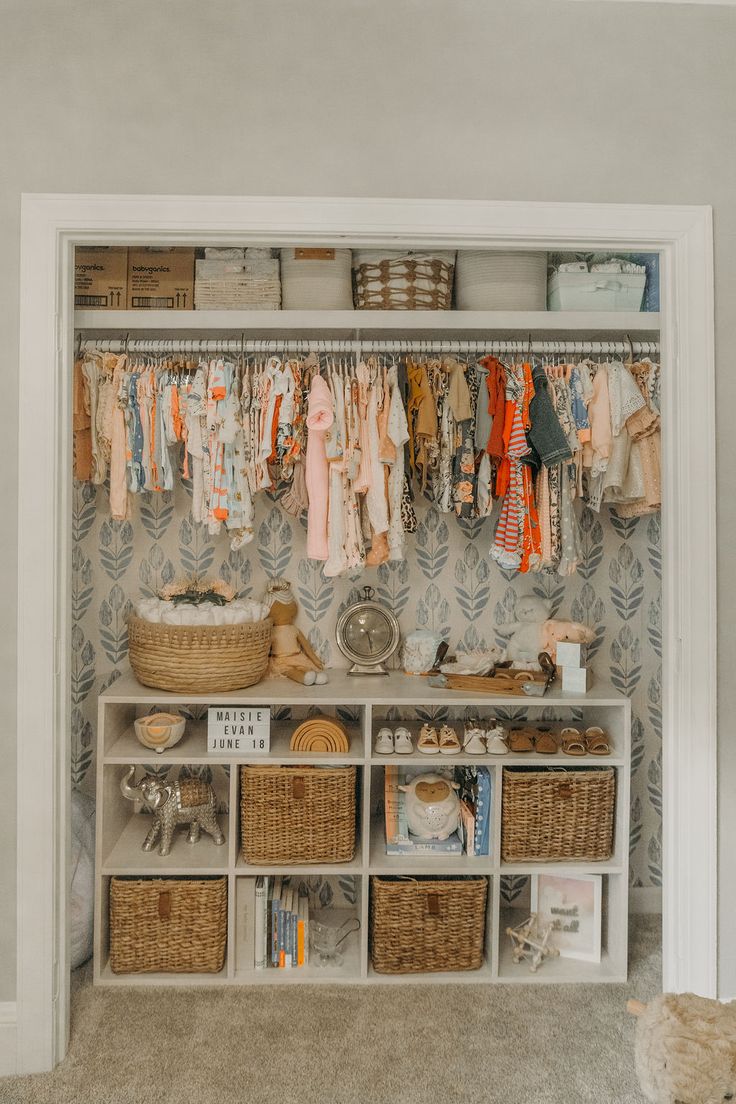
[369, 634]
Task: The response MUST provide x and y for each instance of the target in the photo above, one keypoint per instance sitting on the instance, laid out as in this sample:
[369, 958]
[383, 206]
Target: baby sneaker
[496, 740]
[449, 743]
[428, 741]
[384, 744]
[474, 742]
[402, 741]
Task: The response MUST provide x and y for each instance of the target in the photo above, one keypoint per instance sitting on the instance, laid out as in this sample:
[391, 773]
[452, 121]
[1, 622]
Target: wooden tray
[503, 681]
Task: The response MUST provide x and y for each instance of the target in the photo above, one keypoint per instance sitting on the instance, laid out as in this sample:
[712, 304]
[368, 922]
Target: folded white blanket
[241, 611]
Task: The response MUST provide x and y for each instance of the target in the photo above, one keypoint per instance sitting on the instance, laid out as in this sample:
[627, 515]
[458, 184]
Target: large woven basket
[403, 281]
[501, 279]
[550, 815]
[430, 924]
[171, 925]
[199, 659]
[297, 814]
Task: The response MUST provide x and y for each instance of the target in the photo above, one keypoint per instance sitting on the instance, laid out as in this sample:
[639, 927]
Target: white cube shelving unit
[369, 700]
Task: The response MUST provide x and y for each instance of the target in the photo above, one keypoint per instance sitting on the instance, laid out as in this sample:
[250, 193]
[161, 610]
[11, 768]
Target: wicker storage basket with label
[427, 924]
[316, 279]
[403, 281]
[250, 283]
[556, 815]
[168, 925]
[198, 658]
[297, 814]
[501, 279]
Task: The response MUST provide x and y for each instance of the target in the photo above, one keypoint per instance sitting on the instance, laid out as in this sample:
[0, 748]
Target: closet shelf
[396, 689]
[367, 324]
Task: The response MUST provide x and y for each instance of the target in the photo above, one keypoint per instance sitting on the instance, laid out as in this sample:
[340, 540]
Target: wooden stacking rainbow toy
[320, 734]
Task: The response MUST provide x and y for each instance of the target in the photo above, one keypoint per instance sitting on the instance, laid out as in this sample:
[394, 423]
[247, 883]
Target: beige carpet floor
[505, 1044]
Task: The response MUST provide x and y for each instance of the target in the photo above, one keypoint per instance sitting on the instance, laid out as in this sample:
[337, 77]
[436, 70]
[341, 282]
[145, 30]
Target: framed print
[572, 905]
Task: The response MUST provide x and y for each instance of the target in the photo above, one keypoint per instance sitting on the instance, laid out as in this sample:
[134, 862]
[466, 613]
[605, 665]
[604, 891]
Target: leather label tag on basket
[433, 904]
[298, 787]
[310, 254]
[164, 904]
[564, 789]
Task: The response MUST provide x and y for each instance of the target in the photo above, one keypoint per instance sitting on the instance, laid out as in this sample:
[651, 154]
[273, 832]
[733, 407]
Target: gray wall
[513, 99]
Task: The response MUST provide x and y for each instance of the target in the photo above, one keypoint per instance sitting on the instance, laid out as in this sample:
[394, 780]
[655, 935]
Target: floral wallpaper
[447, 583]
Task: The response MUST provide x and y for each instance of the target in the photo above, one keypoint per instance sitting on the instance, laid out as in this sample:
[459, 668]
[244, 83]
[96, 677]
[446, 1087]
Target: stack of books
[474, 832]
[276, 919]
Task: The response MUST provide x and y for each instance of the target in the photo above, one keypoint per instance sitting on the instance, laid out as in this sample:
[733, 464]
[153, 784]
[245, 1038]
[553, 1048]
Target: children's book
[413, 846]
[302, 934]
[261, 923]
[483, 808]
[248, 905]
[275, 907]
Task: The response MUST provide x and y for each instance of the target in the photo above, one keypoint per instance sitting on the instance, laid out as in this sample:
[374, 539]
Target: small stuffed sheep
[686, 1049]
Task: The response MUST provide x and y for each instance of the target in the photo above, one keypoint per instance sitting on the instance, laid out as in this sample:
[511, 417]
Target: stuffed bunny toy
[534, 632]
[685, 1049]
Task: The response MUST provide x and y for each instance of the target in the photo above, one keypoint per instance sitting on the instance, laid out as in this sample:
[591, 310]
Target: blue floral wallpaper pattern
[447, 583]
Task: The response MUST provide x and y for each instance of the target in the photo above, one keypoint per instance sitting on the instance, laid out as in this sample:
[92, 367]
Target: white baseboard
[645, 899]
[8, 1054]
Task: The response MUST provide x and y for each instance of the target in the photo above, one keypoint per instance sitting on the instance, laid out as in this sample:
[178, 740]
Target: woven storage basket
[549, 815]
[403, 281]
[172, 925]
[427, 924]
[201, 658]
[492, 279]
[248, 284]
[316, 279]
[297, 814]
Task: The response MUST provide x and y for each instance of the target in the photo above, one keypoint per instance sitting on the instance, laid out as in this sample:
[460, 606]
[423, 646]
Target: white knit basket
[496, 279]
[316, 279]
[389, 280]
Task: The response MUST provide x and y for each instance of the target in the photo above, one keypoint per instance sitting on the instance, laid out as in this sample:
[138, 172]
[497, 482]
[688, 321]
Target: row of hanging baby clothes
[441, 409]
[356, 432]
[572, 431]
[627, 419]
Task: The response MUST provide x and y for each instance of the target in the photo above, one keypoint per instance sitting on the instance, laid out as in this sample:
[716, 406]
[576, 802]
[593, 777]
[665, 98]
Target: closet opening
[185, 476]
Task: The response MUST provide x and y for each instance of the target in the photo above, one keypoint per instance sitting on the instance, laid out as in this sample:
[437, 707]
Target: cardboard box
[570, 655]
[576, 680]
[160, 279]
[100, 277]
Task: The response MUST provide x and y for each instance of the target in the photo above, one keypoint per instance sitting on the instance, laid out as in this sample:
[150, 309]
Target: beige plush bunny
[686, 1049]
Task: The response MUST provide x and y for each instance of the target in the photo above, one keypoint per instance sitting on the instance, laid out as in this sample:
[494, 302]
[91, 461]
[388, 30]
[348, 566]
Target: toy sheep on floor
[686, 1049]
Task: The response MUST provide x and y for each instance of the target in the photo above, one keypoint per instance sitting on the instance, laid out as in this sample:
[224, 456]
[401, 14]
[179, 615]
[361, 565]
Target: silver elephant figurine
[188, 801]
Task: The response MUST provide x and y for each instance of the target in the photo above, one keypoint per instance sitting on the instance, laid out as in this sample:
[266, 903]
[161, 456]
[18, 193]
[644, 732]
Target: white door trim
[51, 224]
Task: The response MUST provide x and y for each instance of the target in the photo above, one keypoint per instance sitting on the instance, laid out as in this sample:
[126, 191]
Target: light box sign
[232, 730]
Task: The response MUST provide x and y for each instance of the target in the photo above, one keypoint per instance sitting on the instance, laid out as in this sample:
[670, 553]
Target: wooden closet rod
[397, 346]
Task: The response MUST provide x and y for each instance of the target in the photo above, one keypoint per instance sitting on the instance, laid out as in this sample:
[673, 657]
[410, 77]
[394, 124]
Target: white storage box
[316, 279]
[576, 680]
[249, 283]
[570, 655]
[500, 279]
[596, 291]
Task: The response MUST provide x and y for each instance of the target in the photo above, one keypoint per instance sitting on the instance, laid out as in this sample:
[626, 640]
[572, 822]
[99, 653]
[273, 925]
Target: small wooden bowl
[159, 731]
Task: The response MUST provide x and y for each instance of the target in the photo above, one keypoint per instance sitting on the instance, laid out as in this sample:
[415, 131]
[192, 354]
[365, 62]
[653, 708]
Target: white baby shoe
[496, 740]
[384, 744]
[473, 743]
[402, 741]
